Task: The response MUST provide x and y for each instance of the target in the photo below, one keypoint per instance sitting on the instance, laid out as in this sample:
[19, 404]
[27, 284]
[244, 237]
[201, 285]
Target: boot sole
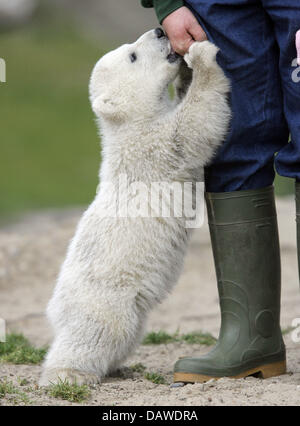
[263, 371]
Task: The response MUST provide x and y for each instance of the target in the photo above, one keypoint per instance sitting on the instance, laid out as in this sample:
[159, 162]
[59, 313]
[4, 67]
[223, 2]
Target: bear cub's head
[132, 81]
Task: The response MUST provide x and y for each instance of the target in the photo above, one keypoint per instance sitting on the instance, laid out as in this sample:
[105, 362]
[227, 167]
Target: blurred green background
[49, 146]
[49, 143]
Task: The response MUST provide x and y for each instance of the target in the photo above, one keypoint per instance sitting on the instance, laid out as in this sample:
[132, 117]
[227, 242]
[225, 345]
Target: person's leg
[249, 56]
[286, 20]
[285, 17]
[243, 228]
[241, 208]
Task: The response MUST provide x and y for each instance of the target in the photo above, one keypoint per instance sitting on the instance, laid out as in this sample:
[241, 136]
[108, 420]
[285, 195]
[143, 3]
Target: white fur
[117, 269]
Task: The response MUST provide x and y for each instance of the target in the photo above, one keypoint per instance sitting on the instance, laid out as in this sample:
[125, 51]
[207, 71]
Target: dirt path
[30, 255]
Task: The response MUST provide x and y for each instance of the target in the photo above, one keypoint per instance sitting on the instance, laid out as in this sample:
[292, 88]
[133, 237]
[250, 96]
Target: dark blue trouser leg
[249, 56]
[285, 16]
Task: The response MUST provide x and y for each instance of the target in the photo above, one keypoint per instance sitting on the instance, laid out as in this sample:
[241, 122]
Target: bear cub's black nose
[159, 33]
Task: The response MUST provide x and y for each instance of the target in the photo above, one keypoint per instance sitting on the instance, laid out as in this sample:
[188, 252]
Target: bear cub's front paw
[201, 53]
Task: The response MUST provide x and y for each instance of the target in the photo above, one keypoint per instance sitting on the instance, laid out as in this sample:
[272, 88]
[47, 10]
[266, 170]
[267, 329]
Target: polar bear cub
[118, 267]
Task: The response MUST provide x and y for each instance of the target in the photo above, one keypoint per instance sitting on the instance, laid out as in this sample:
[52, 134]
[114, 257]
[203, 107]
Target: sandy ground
[31, 252]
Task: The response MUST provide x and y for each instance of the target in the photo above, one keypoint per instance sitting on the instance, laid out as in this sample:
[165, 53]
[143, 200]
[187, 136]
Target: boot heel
[271, 370]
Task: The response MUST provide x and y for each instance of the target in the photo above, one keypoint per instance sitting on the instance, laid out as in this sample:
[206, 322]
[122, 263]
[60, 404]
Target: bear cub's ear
[104, 106]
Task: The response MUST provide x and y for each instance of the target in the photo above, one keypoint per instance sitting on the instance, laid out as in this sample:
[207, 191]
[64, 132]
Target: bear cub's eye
[133, 57]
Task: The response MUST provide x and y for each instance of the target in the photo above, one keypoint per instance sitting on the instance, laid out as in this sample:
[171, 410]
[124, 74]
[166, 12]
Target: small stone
[177, 385]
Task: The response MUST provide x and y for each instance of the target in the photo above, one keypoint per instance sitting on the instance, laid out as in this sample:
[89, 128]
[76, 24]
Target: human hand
[183, 30]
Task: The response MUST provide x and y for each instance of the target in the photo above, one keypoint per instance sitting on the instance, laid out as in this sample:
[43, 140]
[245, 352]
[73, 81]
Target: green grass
[148, 375]
[138, 368]
[49, 145]
[18, 350]
[6, 388]
[158, 338]
[23, 382]
[62, 390]
[198, 338]
[155, 378]
[17, 397]
[161, 337]
[69, 392]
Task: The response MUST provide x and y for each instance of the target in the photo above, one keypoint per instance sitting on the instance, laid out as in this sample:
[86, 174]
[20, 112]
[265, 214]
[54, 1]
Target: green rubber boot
[297, 187]
[244, 235]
